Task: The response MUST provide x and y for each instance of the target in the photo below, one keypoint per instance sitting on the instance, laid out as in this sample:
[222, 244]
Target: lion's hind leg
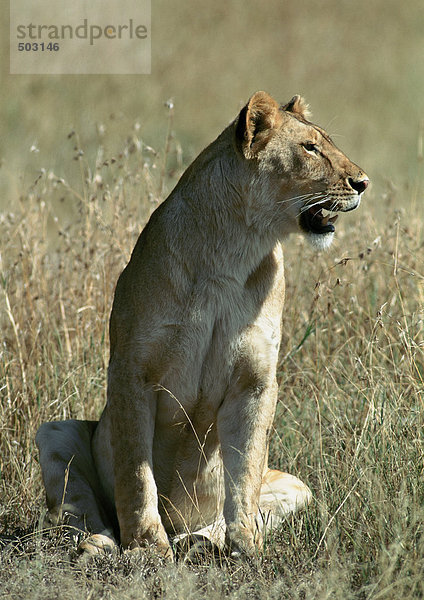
[73, 490]
[281, 494]
[195, 547]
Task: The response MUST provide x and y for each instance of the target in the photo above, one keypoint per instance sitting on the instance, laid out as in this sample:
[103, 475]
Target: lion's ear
[256, 123]
[298, 106]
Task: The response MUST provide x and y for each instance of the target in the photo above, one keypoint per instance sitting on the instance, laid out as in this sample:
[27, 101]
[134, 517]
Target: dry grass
[350, 417]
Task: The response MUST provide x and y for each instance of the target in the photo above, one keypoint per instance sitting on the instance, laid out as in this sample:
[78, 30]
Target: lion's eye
[311, 147]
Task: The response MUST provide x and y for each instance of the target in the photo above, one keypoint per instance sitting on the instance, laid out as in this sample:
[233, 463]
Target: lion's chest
[186, 445]
[188, 464]
[222, 326]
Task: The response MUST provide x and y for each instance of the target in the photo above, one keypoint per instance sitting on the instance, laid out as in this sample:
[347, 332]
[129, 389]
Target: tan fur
[194, 338]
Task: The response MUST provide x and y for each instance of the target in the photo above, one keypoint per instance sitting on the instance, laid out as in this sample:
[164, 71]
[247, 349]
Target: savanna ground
[350, 414]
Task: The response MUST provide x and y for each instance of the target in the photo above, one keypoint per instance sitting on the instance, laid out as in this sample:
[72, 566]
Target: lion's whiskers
[319, 201]
[294, 198]
[311, 199]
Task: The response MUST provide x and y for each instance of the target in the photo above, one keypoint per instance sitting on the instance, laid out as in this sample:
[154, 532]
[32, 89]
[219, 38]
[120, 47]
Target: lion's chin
[320, 241]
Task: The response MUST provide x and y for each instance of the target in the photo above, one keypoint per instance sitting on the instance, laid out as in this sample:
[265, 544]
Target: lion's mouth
[313, 220]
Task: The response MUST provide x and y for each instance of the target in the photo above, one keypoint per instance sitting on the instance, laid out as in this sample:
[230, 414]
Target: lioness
[182, 443]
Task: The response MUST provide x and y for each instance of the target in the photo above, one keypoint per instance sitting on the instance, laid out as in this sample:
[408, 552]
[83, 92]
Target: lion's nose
[359, 185]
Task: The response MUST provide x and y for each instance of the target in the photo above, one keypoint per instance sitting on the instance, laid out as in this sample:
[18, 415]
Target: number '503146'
[35, 47]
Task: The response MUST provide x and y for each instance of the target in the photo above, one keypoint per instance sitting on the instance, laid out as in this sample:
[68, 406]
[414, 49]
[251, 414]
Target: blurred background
[360, 65]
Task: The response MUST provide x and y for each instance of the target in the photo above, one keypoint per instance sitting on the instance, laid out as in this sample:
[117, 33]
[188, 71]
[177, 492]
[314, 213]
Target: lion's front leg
[244, 421]
[132, 411]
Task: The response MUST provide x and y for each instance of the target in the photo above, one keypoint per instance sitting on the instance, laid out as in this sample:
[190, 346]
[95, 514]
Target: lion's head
[299, 166]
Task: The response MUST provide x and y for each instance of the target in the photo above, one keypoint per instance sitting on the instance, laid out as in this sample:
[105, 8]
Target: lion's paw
[96, 544]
